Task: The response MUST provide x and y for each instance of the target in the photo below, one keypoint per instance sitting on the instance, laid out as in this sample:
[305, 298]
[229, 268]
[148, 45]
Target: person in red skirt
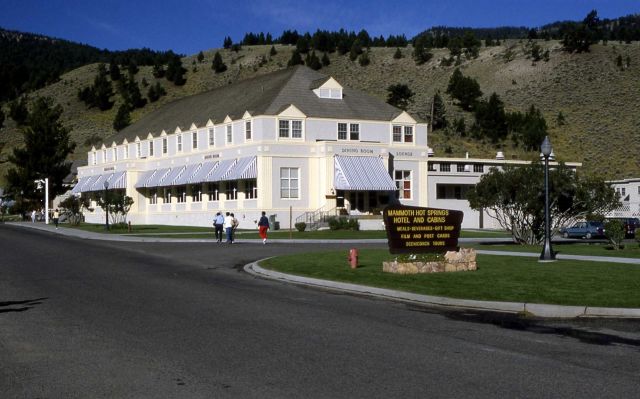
[263, 226]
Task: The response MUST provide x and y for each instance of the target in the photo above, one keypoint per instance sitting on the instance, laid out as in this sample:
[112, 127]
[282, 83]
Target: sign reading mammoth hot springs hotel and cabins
[412, 229]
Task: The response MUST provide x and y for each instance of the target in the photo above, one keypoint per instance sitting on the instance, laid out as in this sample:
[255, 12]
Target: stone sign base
[464, 259]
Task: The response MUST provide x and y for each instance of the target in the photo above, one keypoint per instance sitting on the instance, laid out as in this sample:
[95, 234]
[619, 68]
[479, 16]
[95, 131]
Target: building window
[211, 138]
[137, 150]
[289, 183]
[153, 196]
[179, 142]
[399, 137]
[445, 167]
[247, 130]
[196, 193]
[478, 168]
[452, 191]
[126, 151]
[403, 183]
[231, 190]
[342, 131]
[354, 131]
[229, 134]
[460, 167]
[431, 167]
[290, 129]
[164, 145]
[167, 195]
[181, 192]
[151, 148]
[397, 134]
[213, 191]
[194, 140]
[250, 189]
[408, 134]
[95, 161]
[115, 153]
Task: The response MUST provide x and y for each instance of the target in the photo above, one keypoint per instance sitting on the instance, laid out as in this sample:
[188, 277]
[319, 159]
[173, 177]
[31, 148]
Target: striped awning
[245, 168]
[200, 176]
[221, 170]
[97, 184]
[146, 176]
[156, 179]
[187, 174]
[117, 180]
[81, 183]
[362, 174]
[172, 176]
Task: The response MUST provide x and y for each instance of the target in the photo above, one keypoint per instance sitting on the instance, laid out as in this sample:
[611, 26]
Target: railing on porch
[318, 218]
[627, 209]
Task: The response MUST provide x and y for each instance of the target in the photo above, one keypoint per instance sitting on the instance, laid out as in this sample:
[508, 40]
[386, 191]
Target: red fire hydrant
[353, 258]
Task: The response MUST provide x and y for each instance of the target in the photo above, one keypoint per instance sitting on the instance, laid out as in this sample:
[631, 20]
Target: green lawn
[498, 278]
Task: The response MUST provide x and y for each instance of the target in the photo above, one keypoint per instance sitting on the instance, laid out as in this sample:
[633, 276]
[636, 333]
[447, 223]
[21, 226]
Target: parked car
[630, 226]
[586, 230]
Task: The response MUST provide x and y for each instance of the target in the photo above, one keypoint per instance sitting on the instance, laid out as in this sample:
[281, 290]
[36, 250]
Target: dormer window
[211, 137]
[104, 155]
[95, 158]
[137, 150]
[164, 145]
[330, 89]
[115, 153]
[179, 142]
[150, 148]
[194, 140]
[229, 134]
[126, 151]
[402, 134]
[290, 129]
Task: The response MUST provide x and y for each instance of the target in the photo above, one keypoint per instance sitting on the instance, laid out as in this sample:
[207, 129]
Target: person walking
[263, 226]
[33, 216]
[218, 223]
[56, 217]
[228, 227]
[234, 226]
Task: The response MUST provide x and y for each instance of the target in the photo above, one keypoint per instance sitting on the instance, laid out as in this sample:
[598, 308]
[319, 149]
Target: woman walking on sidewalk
[263, 226]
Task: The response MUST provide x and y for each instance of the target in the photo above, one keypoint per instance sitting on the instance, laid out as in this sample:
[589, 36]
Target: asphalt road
[92, 319]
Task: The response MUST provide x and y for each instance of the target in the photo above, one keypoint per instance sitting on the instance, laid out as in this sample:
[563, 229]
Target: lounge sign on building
[412, 229]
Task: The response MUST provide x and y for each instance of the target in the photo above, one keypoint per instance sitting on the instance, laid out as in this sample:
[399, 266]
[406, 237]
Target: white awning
[117, 180]
[245, 168]
[221, 170]
[97, 184]
[146, 176]
[188, 172]
[172, 176]
[81, 182]
[362, 174]
[156, 179]
[200, 176]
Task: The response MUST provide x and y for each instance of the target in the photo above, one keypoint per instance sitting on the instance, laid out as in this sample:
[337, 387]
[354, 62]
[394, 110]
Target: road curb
[533, 309]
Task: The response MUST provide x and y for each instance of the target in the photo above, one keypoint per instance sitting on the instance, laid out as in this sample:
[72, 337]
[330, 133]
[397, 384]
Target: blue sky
[188, 26]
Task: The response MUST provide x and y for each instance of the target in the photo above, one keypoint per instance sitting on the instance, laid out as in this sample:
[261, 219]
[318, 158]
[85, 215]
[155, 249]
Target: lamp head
[106, 184]
[545, 148]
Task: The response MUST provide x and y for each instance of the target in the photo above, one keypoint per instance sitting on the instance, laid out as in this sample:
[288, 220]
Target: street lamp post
[45, 181]
[106, 205]
[547, 254]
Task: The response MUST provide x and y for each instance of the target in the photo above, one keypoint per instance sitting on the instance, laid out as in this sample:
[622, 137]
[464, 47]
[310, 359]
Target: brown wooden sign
[412, 229]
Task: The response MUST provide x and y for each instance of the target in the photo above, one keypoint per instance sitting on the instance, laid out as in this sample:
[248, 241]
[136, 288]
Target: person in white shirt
[228, 227]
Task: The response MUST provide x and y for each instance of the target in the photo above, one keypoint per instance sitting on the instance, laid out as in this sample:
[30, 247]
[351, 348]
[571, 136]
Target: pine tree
[364, 59]
[46, 146]
[134, 96]
[273, 51]
[398, 54]
[1, 118]
[175, 71]
[155, 92]
[114, 71]
[18, 110]
[132, 68]
[400, 95]
[325, 60]
[200, 56]
[158, 70]
[217, 64]
[464, 89]
[356, 50]
[302, 45]
[314, 63]
[296, 59]
[102, 89]
[227, 42]
[439, 120]
[123, 118]
[421, 53]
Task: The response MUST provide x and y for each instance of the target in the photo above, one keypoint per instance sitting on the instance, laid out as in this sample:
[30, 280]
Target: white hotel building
[293, 139]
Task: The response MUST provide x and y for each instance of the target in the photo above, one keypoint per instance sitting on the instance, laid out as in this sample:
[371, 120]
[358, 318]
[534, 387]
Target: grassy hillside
[599, 101]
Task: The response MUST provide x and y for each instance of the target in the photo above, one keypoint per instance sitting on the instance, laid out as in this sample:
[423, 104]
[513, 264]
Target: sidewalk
[538, 310]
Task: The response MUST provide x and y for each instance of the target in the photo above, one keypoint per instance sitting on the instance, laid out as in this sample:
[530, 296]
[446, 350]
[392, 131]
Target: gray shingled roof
[267, 94]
